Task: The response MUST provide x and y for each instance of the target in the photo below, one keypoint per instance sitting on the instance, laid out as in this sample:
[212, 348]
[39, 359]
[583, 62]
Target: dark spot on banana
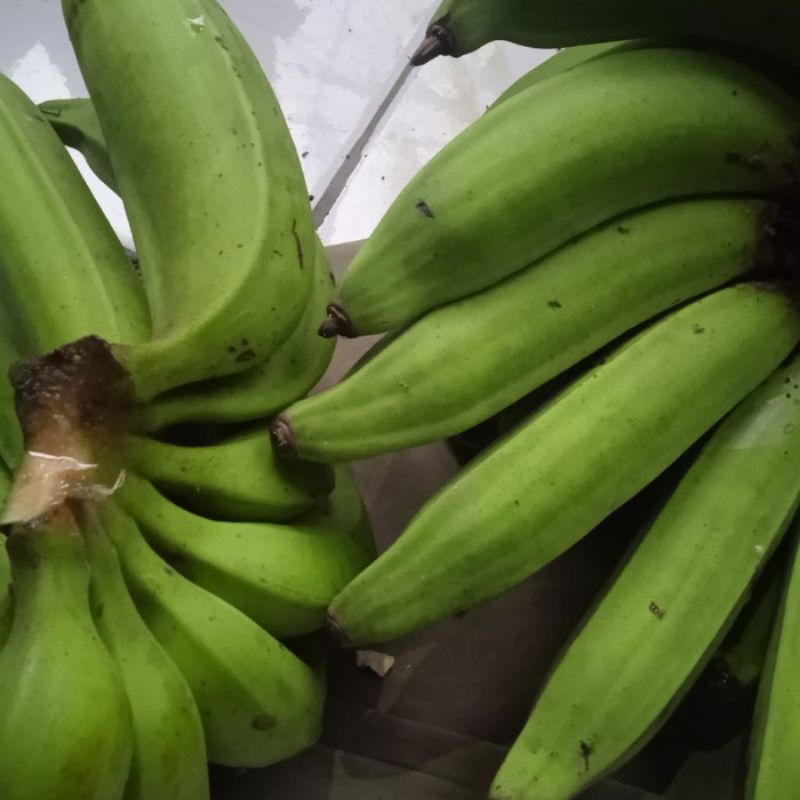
[698, 328]
[424, 209]
[262, 722]
[656, 611]
[246, 355]
[586, 751]
[554, 304]
[298, 244]
[278, 253]
[623, 230]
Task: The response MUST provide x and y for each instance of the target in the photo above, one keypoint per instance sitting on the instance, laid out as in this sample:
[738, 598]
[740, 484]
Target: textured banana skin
[63, 273]
[772, 764]
[463, 362]
[169, 752]
[239, 479]
[557, 475]
[65, 729]
[462, 26]
[622, 131]
[75, 122]
[665, 612]
[211, 182]
[282, 576]
[262, 390]
[259, 703]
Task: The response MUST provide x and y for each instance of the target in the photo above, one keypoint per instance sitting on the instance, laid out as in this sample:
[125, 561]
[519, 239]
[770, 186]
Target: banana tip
[337, 323]
[337, 631]
[282, 436]
[437, 42]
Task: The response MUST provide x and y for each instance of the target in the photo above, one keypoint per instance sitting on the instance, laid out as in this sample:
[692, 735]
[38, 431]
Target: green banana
[12, 446]
[772, 770]
[262, 390]
[462, 26]
[63, 273]
[220, 215]
[551, 480]
[169, 753]
[343, 511]
[663, 615]
[565, 60]
[444, 374]
[75, 121]
[282, 576]
[259, 703]
[5, 564]
[65, 729]
[620, 132]
[238, 479]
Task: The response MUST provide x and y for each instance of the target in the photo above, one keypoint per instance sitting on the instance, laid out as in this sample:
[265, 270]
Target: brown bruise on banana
[72, 406]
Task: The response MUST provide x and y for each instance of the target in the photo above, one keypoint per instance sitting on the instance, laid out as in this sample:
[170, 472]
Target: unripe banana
[238, 479]
[75, 121]
[211, 182]
[259, 703]
[462, 26]
[65, 730]
[551, 480]
[663, 614]
[622, 131]
[63, 273]
[12, 446]
[773, 771]
[465, 361]
[262, 390]
[169, 752]
[281, 576]
[563, 61]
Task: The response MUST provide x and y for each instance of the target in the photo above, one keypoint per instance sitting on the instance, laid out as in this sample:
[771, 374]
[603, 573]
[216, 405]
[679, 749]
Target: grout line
[337, 184]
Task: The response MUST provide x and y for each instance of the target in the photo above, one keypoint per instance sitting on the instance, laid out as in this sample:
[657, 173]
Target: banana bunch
[159, 561]
[612, 245]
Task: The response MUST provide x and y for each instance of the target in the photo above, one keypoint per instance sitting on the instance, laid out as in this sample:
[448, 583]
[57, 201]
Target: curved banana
[169, 752]
[262, 390]
[461, 26]
[63, 273]
[220, 215]
[237, 479]
[620, 132]
[259, 703]
[551, 480]
[463, 362]
[772, 764]
[663, 614]
[75, 121]
[65, 730]
[282, 576]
